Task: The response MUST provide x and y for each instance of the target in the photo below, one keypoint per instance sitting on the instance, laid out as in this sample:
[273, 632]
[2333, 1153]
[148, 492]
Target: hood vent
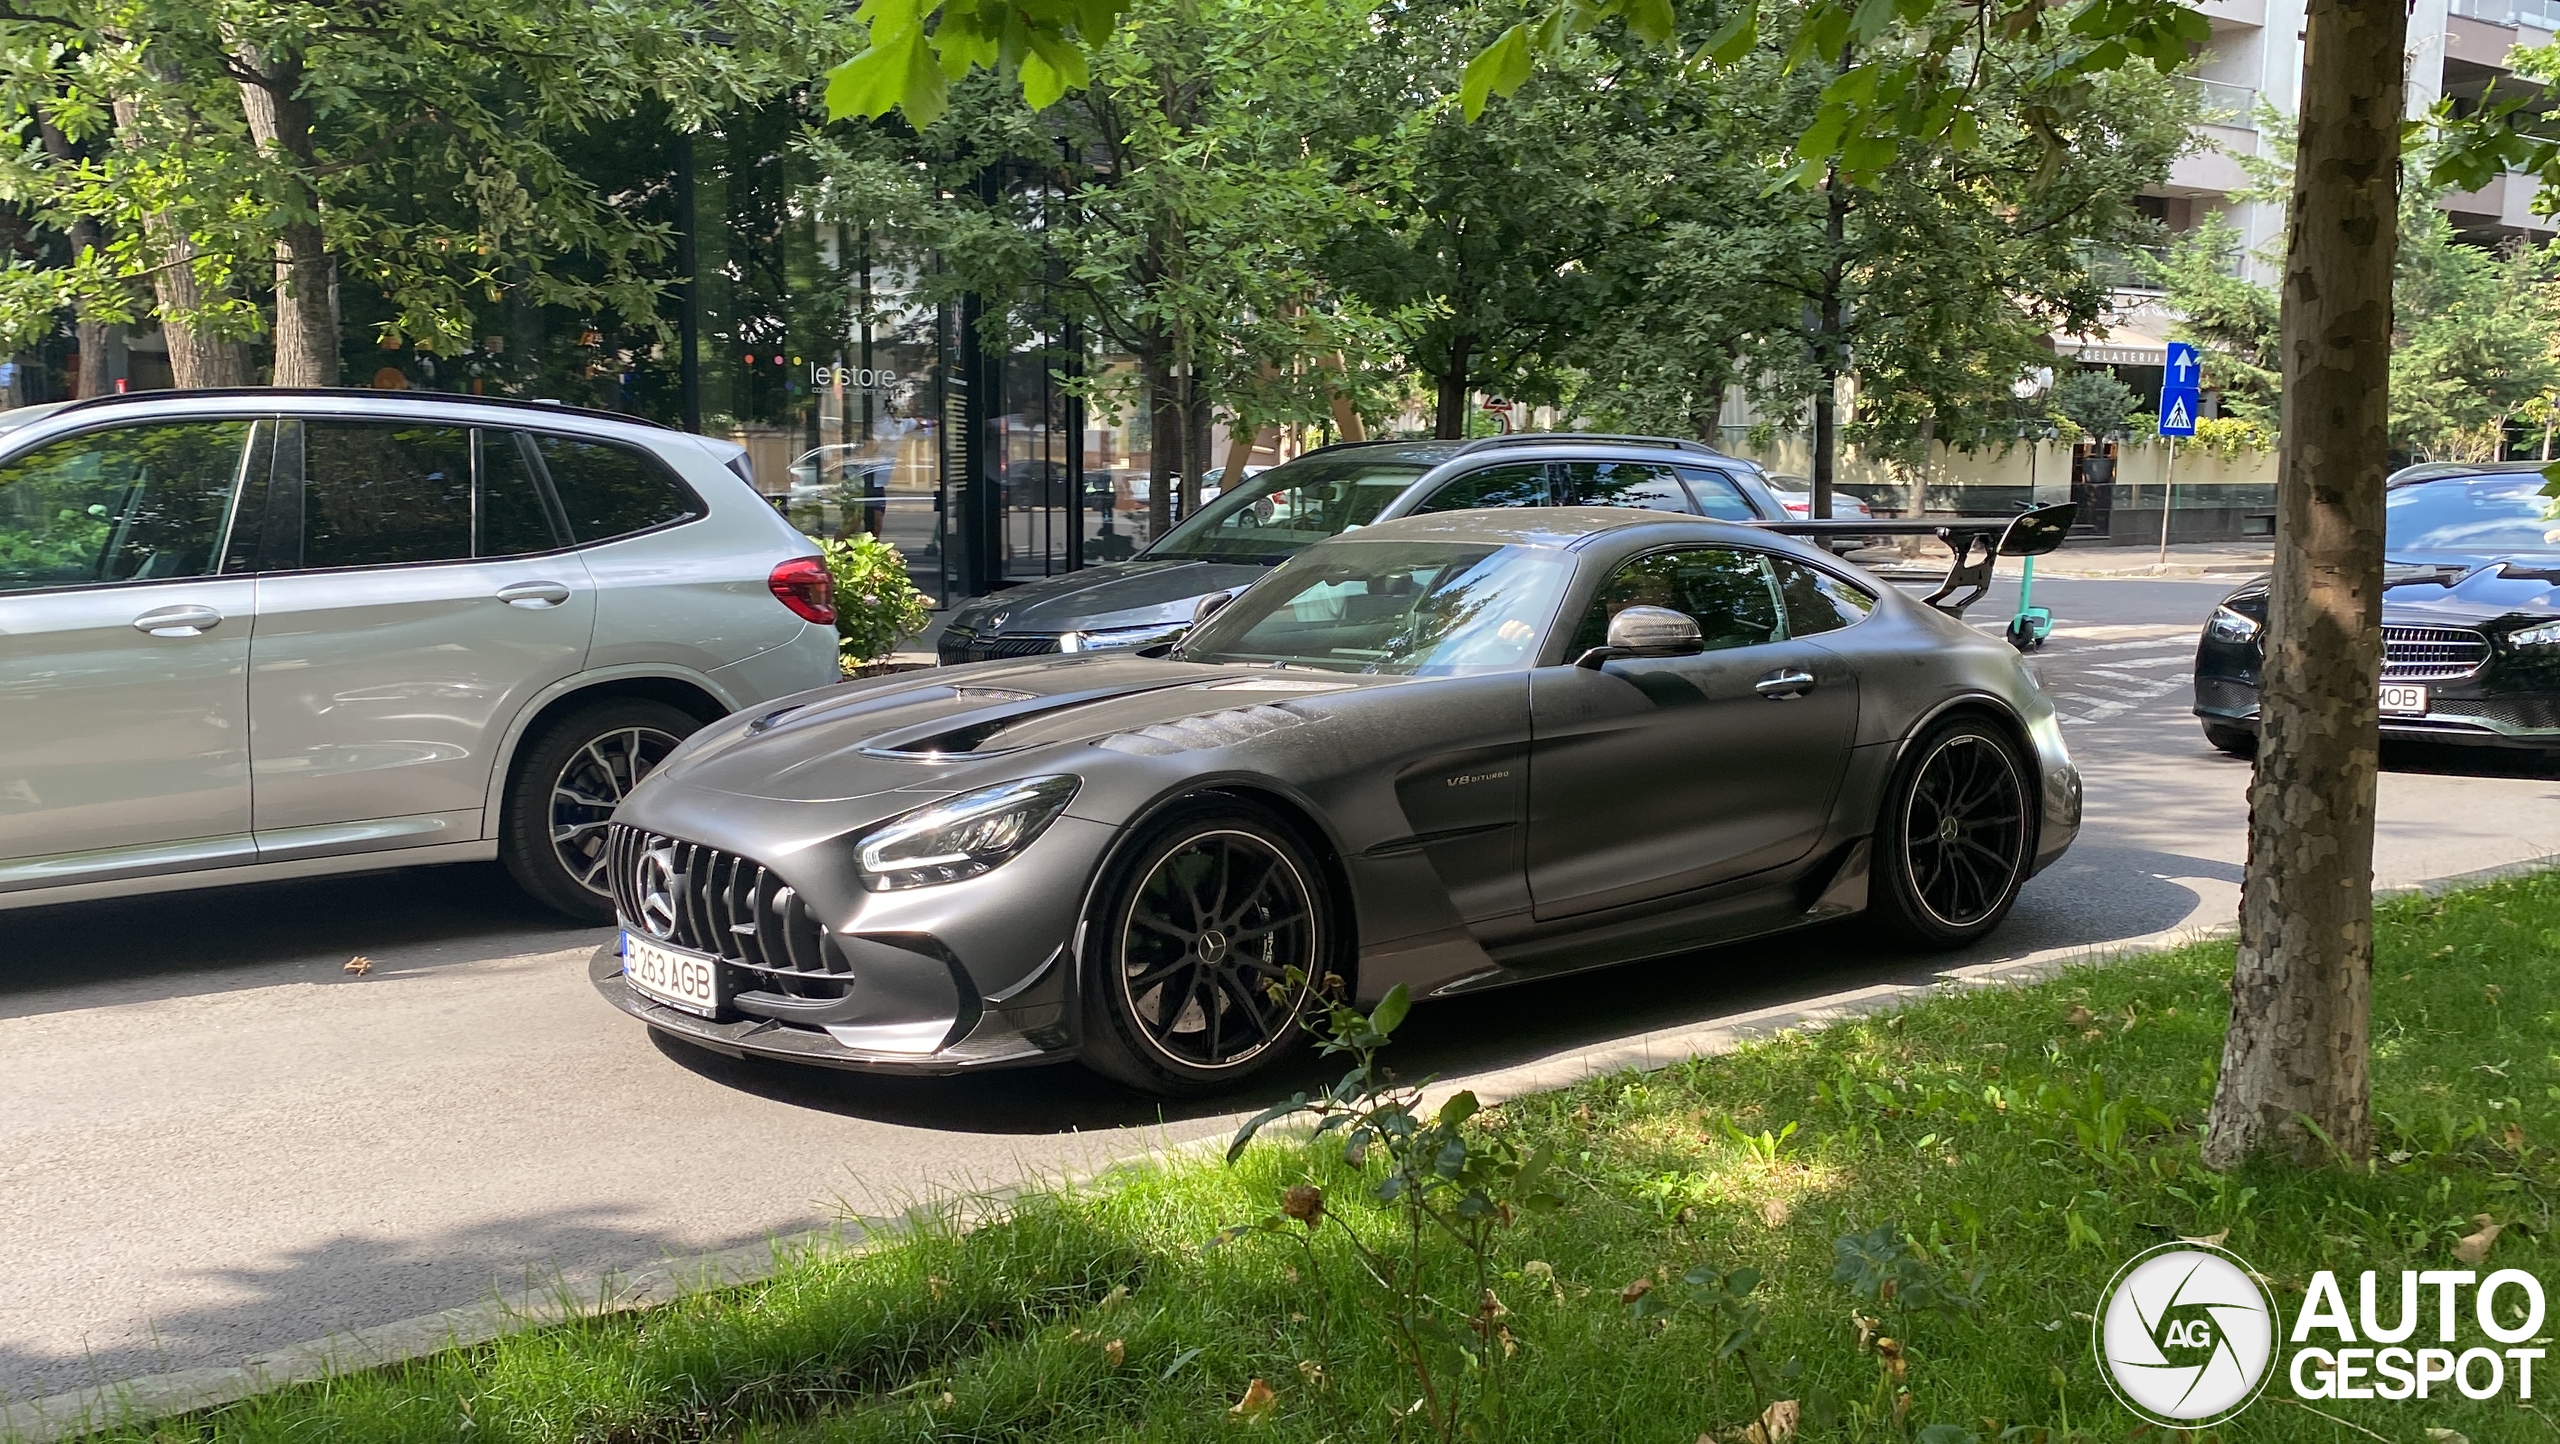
[1208, 730]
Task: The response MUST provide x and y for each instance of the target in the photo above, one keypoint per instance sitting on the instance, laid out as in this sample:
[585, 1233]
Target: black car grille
[731, 907]
[2518, 714]
[959, 645]
[2431, 654]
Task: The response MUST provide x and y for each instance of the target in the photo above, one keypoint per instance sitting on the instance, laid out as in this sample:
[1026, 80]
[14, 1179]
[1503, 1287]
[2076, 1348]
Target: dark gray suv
[1231, 542]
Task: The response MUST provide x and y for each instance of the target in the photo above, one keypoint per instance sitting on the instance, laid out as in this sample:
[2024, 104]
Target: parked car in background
[2470, 617]
[1795, 493]
[1148, 600]
[266, 633]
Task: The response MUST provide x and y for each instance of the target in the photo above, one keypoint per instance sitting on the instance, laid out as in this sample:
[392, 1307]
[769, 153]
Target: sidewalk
[2188, 560]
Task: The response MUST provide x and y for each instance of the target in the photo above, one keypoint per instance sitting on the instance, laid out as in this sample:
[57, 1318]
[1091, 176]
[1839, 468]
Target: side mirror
[1648, 632]
[1207, 606]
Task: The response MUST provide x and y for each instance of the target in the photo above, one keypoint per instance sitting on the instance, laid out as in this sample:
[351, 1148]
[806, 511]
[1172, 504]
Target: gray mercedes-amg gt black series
[1449, 751]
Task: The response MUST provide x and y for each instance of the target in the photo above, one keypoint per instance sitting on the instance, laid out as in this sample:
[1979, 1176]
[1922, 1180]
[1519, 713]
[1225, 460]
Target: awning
[2118, 345]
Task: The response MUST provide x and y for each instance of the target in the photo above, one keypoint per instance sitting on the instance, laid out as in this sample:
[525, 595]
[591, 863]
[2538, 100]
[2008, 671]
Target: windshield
[2503, 513]
[1273, 516]
[1421, 608]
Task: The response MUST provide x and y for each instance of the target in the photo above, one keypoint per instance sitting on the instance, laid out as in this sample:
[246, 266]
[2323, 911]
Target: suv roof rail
[546, 407]
[1569, 438]
[1348, 445]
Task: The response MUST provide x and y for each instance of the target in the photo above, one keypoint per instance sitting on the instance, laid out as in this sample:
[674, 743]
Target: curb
[158, 1396]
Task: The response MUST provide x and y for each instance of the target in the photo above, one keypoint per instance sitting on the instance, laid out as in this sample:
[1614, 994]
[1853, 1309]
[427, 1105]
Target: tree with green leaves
[233, 149]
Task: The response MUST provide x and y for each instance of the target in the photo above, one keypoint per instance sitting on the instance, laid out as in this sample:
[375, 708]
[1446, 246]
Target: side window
[379, 494]
[1519, 484]
[1717, 496]
[1624, 483]
[609, 490]
[512, 519]
[1726, 591]
[135, 504]
[1816, 600]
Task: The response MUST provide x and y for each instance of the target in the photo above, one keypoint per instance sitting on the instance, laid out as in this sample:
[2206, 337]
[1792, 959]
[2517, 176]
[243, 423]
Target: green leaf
[1398, 1002]
[897, 72]
[1651, 21]
[1460, 1107]
[1870, 20]
[1054, 67]
[1498, 69]
[1282, 1109]
[1736, 37]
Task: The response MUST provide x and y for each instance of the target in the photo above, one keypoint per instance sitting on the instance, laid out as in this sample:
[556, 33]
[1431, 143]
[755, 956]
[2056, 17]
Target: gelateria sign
[2189, 1335]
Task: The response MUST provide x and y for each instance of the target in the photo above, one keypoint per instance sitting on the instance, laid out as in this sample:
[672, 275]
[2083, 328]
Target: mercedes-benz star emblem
[658, 892]
[1213, 947]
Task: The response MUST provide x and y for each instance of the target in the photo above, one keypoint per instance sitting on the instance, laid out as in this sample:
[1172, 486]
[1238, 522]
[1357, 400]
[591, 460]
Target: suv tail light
[805, 586]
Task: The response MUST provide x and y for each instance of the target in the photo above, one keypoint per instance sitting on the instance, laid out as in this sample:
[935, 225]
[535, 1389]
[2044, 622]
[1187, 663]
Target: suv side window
[1519, 484]
[1816, 600]
[1717, 496]
[381, 493]
[133, 504]
[512, 518]
[608, 490]
[1624, 483]
[1727, 592]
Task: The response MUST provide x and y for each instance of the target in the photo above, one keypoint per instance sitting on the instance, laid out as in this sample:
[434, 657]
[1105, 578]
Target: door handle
[1783, 684]
[533, 594]
[187, 621]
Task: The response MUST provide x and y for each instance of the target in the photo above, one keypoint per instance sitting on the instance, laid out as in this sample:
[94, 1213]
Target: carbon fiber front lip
[765, 1038]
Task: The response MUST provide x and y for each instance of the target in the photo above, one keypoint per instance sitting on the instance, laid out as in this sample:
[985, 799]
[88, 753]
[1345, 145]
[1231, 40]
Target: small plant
[1722, 1300]
[877, 605]
[1447, 1196]
[1883, 1266]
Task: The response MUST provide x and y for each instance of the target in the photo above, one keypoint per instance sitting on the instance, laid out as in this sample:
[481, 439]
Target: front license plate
[2403, 700]
[672, 976]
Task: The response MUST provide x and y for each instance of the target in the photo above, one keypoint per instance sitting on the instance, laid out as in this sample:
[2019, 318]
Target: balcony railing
[2540, 14]
[2224, 102]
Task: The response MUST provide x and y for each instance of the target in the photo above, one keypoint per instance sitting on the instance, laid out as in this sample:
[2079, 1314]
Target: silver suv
[247, 635]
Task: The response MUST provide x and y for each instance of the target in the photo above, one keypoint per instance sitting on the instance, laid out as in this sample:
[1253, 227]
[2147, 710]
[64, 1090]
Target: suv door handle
[1783, 684]
[187, 621]
[533, 594]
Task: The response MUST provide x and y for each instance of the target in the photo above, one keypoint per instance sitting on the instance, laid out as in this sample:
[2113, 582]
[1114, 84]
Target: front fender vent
[1206, 731]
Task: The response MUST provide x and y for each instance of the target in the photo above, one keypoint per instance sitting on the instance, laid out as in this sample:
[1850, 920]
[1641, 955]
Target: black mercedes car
[1243, 533]
[2470, 618]
[1446, 752]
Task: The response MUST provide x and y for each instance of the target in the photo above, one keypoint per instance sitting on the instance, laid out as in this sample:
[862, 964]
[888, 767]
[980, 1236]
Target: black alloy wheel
[567, 783]
[1958, 836]
[1197, 935]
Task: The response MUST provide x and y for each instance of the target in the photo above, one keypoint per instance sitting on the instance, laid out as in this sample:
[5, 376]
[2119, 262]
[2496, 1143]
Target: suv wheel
[567, 782]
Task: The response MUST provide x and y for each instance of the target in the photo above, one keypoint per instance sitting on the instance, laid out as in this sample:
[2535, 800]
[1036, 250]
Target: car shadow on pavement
[172, 945]
[349, 1281]
[2141, 896]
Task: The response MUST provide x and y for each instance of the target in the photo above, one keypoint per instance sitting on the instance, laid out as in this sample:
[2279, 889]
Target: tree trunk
[1830, 320]
[1449, 417]
[2294, 1075]
[1196, 447]
[1164, 448]
[306, 338]
[1346, 412]
[92, 333]
[199, 356]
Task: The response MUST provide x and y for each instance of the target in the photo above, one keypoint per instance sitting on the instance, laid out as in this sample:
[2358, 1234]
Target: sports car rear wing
[1976, 541]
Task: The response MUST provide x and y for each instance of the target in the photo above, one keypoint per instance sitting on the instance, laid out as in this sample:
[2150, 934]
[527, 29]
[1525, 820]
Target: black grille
[730, 907]
[959, 645]
[2431, 654]
[2520, 714]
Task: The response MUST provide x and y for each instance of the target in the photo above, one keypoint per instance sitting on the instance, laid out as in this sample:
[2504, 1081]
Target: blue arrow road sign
[2179, 395]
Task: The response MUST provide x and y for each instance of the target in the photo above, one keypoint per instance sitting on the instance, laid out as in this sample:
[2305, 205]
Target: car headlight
[2546, 635]
[1108, 639]
[962, 836]
[2228, 625]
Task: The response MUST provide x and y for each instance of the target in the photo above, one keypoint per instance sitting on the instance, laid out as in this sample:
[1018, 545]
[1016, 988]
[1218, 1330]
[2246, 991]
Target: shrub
[877, 607]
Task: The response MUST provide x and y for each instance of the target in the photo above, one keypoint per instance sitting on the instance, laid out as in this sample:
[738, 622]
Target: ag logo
[2186, 1334]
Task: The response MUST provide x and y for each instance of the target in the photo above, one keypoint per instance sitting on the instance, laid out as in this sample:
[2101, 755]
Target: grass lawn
[2020, 1142]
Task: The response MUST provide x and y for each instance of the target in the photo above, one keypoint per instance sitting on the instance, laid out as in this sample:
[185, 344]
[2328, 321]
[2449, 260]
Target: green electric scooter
[2032, 624]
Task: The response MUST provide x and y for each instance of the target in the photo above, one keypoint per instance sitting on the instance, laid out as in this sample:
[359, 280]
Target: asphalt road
[216, 1142]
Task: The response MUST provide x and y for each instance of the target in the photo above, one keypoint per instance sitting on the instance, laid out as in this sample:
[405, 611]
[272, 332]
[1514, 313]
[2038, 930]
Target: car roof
[2449, 470]
[268, 395]
[1559, 527]
[1536, 445]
